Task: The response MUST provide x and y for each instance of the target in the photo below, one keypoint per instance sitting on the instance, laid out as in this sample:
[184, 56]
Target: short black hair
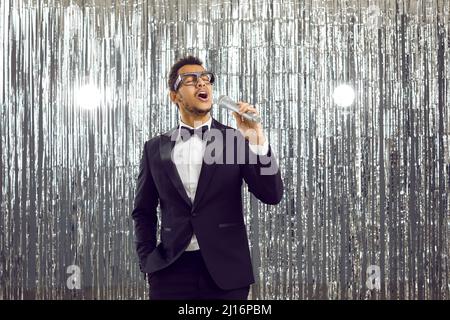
[173, 75]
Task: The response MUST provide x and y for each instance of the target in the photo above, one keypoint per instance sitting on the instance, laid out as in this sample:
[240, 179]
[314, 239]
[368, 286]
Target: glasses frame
[176, 86]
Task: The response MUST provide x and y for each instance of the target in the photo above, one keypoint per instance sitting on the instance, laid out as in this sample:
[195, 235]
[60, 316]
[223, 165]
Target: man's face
[194, 99]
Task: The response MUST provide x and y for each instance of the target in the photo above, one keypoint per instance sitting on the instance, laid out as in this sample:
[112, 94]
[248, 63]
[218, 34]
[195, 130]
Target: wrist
[258, 139]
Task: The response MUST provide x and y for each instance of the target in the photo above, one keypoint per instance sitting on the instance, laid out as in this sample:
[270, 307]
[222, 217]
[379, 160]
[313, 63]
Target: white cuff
[260, 150]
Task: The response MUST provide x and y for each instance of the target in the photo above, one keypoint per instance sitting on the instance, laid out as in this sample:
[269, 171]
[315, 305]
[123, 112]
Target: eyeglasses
[191, 78]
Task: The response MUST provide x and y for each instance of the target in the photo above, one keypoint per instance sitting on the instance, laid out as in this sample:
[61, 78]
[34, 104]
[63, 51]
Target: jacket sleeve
[144, 212]
[262, 175]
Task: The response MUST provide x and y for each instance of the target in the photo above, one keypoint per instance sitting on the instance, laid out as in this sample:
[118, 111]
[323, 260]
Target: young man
[204, 251]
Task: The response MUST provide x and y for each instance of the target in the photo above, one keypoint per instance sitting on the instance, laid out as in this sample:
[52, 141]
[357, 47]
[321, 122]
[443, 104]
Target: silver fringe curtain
[366, 208]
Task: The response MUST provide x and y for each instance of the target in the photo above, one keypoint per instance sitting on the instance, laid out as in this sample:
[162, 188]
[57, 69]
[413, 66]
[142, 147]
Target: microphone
[227, 103]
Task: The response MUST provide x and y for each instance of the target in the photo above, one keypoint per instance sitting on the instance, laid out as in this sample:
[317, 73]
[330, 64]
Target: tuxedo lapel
[165, 147]
[207, 170]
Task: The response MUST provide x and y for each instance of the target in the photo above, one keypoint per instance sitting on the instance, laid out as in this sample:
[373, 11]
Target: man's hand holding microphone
[247, 119]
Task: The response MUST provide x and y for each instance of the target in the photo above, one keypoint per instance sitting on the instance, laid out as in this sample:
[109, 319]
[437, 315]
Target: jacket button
[194, 214]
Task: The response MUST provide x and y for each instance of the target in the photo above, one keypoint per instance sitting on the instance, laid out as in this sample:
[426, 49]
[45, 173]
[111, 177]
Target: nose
[200, 83]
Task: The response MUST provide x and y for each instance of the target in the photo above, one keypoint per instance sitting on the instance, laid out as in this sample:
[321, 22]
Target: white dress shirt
[188, 159]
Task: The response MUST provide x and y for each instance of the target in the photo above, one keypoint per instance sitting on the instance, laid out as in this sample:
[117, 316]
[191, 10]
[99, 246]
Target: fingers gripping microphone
[227, 103]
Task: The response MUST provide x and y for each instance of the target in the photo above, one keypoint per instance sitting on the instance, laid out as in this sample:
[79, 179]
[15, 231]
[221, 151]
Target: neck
[194, 120]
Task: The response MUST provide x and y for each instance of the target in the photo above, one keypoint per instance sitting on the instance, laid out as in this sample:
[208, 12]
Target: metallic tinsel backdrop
[367, 186]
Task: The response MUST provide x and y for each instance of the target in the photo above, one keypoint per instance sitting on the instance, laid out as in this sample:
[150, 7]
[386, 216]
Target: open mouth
[203, 96]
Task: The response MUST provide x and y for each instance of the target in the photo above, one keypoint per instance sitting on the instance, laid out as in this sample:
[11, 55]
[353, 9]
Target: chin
[203, 109]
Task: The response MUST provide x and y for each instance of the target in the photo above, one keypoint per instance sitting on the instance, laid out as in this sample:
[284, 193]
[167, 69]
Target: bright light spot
[88, 97]
[344, 95]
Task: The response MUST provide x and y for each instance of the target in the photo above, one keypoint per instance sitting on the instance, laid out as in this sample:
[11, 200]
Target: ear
[173, 96]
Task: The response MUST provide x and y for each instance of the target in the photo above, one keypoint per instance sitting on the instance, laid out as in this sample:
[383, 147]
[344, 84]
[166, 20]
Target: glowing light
[344, 95]
[88, 97]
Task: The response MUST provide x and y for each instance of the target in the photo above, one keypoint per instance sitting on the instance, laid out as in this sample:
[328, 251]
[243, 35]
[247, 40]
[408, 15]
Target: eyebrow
[193, 72]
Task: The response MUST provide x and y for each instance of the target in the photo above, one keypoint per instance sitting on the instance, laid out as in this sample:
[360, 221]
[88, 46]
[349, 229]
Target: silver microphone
[226, 102]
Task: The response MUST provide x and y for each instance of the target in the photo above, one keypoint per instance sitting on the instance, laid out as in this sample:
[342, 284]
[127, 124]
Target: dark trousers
[188, 279]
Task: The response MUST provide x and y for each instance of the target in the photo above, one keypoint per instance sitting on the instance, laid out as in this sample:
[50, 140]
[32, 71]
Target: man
[204, 251]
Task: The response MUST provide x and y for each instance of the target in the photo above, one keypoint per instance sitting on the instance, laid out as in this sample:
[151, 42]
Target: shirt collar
[208, 123]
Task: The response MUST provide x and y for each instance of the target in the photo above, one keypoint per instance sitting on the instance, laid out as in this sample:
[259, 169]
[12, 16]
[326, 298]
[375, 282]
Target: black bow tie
[187, 133]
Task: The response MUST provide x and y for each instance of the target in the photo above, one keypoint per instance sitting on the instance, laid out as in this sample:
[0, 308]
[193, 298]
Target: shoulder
[155, 141]
[152, 143]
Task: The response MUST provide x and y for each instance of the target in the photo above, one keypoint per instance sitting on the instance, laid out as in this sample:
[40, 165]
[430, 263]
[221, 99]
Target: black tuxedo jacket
[215, 216]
